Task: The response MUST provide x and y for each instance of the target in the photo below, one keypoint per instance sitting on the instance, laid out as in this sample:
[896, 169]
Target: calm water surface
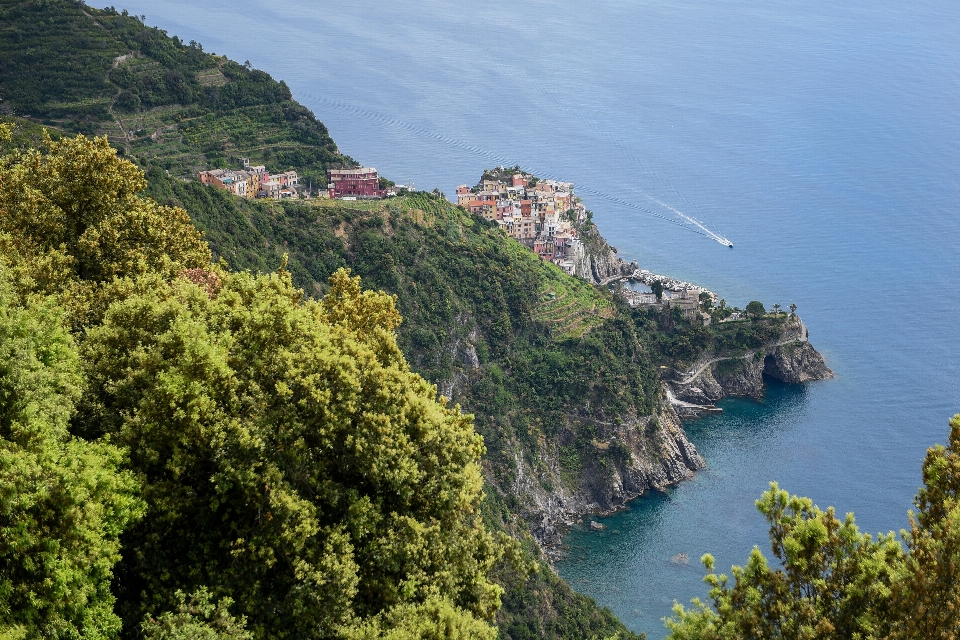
[822, 138]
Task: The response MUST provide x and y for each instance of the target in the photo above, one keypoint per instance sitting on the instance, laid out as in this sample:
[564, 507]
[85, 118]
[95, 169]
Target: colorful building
[362, 182]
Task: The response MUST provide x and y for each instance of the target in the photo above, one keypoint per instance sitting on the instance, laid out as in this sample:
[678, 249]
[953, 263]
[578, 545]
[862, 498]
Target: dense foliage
[675, 341]
[835, 582]
[73, 225]
[290, 458]
[277, 454]
[63, 500]
[197, 618]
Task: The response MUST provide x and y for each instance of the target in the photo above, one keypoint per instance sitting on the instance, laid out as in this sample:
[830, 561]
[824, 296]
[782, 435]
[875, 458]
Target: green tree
[706, 301]
[776, 308]
[835, 582]
[288, 456]
[793, 310]
[73, 224]
[755, 309]
[435, 619]
[63, 501]
[927, 600]
[196, 618]
[657, 288]
[838, 583]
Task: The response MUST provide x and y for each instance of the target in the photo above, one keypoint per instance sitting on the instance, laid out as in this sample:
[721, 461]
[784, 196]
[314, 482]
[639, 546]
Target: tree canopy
[755, 308]
[73, 224]
[835, 582]
[289, 457]
[63, 501]
[170, 427]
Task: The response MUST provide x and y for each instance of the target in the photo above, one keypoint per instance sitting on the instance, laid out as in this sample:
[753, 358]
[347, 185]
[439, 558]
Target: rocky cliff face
[596, 261]
[588, 467]
[791, 359]
[796, 362]
[624, 461]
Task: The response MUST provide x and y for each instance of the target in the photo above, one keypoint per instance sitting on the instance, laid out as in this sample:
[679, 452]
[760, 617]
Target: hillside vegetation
[172, 428]
[212, 385]
[200, 371]
[106, 73]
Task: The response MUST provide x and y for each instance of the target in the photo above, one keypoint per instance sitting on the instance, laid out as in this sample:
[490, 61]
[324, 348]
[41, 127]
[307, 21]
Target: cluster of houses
[253, 181]
[538, 213]
[688, 300]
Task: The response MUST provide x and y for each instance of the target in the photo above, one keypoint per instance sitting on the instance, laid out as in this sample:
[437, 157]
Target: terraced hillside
[571, 309]
[168, 102]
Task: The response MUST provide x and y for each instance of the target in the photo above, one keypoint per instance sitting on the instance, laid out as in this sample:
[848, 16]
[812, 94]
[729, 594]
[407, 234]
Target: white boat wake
[697, 223]
[383, 119]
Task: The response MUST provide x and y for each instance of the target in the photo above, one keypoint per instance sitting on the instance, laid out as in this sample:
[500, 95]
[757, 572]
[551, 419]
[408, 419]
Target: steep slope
[511, 338]
[564, 380]
[563, 388]
[106, 73]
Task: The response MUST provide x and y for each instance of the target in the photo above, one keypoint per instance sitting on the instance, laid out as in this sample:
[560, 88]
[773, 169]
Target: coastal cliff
[790, 358]
[597, 262]
[628, 456]
[626, 460]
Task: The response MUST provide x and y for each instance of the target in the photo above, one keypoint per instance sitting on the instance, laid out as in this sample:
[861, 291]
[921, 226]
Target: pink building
[545, 248]
[363, 182]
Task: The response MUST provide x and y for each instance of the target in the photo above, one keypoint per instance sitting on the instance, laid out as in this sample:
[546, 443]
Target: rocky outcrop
[704, 390]
[596, 261]
[461, 350]
[741, 376]
[622, 462]
[602, 268]
[791, 359]
[796, 362]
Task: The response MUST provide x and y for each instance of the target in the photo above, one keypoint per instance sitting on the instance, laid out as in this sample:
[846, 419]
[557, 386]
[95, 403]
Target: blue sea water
[822, 138]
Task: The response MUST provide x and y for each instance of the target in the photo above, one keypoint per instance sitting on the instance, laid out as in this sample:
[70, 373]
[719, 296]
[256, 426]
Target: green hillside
[106, 73]
[543, 360]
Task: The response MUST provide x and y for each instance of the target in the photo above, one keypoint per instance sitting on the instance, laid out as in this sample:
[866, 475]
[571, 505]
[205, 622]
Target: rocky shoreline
[660, 454]
[652, 452]
[791, 359]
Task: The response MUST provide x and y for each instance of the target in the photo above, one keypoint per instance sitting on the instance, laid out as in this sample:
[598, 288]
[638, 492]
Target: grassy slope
[102, 72]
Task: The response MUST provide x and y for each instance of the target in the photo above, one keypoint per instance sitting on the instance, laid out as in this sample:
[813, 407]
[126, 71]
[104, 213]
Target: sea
[821, 138]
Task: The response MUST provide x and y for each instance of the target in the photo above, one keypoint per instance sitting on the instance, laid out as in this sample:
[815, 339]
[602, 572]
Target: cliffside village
[538, 213]
[254, 181]
[541, 214]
